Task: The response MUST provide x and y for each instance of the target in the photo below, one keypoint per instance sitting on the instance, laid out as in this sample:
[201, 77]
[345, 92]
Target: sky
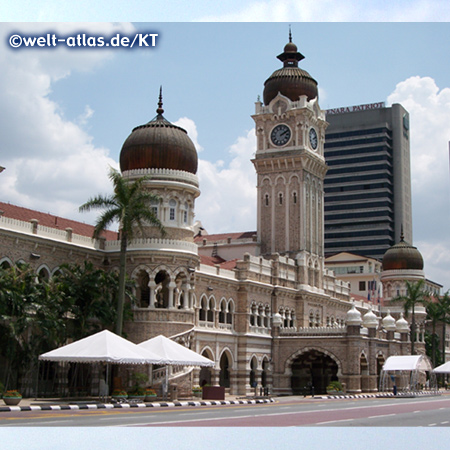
[65, 114]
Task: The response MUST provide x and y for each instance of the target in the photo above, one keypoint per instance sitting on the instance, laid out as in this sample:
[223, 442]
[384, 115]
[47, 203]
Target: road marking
[381, 415]
[432, 424]
[334, 421]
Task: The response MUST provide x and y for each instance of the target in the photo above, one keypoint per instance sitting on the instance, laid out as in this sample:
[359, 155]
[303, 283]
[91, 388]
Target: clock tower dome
[290, 163]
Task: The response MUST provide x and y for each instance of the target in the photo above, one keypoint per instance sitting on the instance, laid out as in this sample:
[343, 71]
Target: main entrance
[312, 372]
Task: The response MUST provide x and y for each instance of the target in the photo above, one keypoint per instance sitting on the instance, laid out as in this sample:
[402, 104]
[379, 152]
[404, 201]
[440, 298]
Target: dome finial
[160, 109]
[290, 34]
[402, 236]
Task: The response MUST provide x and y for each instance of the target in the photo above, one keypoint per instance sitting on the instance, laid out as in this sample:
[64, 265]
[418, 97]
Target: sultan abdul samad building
[266, 309]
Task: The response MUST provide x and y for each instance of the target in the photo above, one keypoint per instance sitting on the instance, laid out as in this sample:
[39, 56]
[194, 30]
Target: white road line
[381, 415]
[334, 421]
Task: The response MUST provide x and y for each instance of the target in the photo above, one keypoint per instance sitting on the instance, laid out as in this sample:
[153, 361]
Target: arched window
[43, 275]
[259, 317]
[185, 213]
[253, 315]
[172, 209]
[266, 317]
[222, 312]
[210, 312]
[280, 198]
[266, 197]
[154, 208]
[202, 311]
[294, 197]
[230, 313]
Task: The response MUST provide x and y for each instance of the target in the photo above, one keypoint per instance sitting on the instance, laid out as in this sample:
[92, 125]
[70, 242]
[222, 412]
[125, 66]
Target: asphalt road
[288, 411]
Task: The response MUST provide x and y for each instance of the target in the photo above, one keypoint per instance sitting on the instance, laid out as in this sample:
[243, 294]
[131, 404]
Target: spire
[290, 56]
[160, 109]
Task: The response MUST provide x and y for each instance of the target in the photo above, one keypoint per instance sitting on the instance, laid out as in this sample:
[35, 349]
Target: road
[285, 412]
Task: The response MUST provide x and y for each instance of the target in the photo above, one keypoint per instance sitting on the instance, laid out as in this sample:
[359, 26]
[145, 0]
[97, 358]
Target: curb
[92, 406]
[384, 395]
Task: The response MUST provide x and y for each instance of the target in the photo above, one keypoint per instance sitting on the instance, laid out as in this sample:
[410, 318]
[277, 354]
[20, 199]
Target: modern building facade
[368, 183]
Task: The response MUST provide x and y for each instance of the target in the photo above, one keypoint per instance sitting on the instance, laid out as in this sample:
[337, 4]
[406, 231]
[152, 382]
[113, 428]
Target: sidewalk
[58, 404]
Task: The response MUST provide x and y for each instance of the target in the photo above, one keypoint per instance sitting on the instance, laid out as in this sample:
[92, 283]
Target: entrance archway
[224, 378]
[312, 372]
[380, 363]
[253, 367]
[205, 372]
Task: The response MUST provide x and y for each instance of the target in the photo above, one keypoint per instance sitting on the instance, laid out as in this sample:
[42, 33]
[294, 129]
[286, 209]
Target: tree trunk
[121, 293]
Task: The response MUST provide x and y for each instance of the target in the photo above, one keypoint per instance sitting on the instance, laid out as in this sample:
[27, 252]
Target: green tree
[130, 206]
[31, 320]
[90, 297]
[438, 312]
[434, 315]
[415, 295]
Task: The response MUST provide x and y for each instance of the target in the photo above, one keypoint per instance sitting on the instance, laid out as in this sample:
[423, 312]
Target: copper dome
[290, 81]
[159, 145]
[402, 256]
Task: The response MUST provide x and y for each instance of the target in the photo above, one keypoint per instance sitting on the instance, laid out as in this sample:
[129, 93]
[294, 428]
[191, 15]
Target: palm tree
[434, 314]
[444, 306]
[130, 206]
[415, 295]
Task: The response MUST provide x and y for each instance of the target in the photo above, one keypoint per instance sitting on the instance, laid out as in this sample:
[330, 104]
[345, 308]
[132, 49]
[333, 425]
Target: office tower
[368, 183]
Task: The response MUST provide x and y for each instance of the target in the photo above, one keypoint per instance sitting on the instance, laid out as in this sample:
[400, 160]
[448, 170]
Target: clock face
[313, 138]
[280, 135]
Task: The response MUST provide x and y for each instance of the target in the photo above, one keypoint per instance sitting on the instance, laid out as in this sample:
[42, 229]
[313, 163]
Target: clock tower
[290, 163]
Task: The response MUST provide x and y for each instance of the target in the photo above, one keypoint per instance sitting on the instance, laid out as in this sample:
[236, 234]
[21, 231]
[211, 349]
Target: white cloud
[191, 128]
[332, 11]
[51, 163]
[228, 198]
[429, 109]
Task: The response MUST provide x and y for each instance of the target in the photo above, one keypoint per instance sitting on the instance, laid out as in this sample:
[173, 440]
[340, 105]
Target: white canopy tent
[444, 368]
[173, 353]
[407, 372]
[407, 362]
[103, 347]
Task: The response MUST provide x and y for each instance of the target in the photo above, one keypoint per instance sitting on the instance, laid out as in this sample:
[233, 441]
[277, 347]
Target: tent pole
[166, 388]
[37, 381]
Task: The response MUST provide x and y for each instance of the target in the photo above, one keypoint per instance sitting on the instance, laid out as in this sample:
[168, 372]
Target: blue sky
[66, 113]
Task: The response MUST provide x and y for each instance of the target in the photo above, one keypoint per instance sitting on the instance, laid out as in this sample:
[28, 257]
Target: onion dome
[290, 80]
[402, 256]
[388, 322]
[402, 325]
[353, 316]
[370, 320]
[159, 145]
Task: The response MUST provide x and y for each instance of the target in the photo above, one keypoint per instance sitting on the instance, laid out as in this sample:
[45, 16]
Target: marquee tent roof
[175, 354]
[444, 368]
[408, 362]
[104, 346]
